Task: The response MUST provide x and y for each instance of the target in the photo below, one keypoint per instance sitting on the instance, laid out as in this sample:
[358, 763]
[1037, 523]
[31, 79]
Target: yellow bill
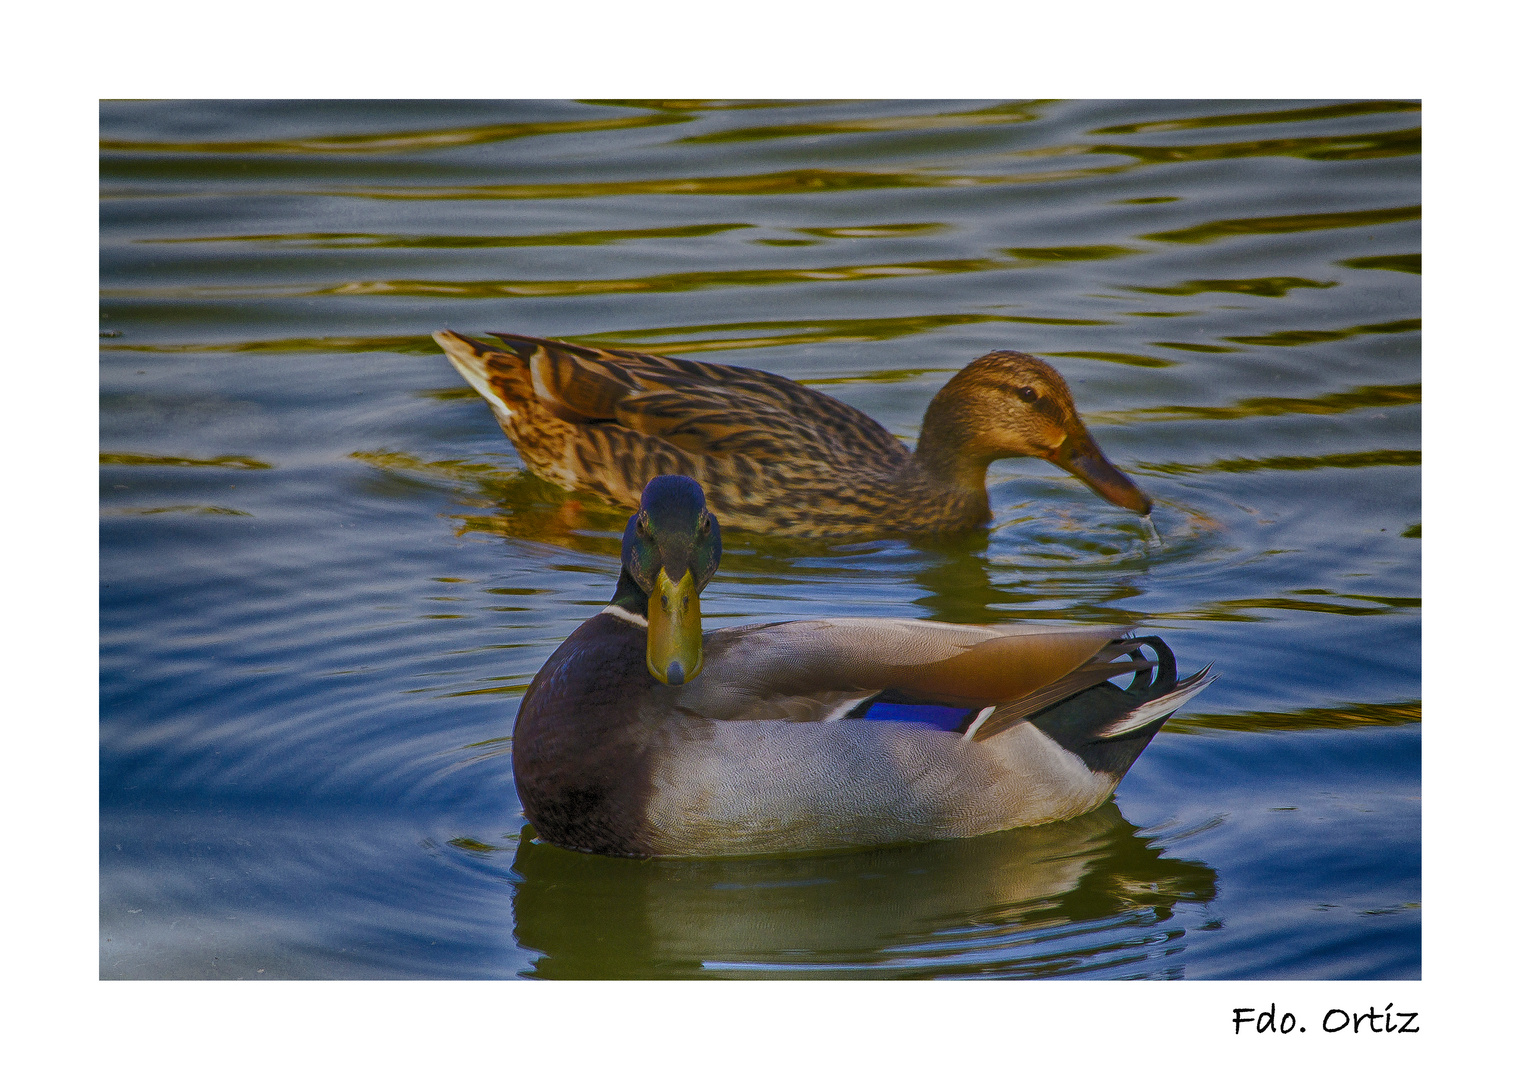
[674, 654]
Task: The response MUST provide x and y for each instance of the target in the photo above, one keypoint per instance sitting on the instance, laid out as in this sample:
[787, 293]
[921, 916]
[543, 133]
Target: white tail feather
[473, 368]
[977, 723]
[1142, 715]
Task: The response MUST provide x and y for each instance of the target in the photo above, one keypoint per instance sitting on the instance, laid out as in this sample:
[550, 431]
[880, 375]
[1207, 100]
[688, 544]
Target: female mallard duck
[773, 455]
[642, 735]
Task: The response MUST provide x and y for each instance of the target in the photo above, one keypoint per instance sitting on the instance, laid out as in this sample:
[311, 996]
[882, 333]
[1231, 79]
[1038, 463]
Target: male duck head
[670, 552]
[1009, 404]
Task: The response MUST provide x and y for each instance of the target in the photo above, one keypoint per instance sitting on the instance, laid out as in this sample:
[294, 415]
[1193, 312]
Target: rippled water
[326, 582]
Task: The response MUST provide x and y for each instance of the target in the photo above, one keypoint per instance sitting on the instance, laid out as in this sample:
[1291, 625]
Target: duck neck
[630, 597]
[946, 460]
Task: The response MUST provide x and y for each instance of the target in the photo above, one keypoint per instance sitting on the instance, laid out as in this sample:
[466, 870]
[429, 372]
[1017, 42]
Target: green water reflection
[391, 142]
[1377, 714]
[678, 339]
[1267, 116]
[589, 238]
[1211, 231]
[1405, 264]
[789, 182]
[408, 343]
[1083, 896]
[1310, 337]
[1315, 148]
[1090, 253]
[1015, 113]
[226, 461]
[1294, 463]
[1362, 397]
[1268, 286]
[1128, 359]
[477, 290]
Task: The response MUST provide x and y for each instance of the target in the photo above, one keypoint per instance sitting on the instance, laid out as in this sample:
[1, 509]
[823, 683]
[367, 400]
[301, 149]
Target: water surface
[326, 581]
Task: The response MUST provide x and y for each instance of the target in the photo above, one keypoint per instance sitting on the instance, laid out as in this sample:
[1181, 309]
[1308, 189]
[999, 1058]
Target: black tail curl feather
[1152, 679]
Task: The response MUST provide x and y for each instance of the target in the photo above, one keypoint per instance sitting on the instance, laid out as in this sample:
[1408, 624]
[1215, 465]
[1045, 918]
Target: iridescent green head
[671, 550]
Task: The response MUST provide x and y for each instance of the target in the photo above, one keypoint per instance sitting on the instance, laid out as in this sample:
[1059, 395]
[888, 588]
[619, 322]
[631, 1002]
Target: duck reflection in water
[960, 582]
[1068, 898]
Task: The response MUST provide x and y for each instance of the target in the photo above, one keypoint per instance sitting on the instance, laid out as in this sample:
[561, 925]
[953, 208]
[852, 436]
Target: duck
[644, 736]
[774, 456]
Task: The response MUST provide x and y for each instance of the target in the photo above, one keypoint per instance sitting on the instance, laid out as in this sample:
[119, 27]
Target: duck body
[821, 734]
[745, 759]
[772, 455]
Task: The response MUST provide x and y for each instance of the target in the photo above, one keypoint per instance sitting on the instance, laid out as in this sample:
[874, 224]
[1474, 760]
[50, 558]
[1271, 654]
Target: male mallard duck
[773, 455]
[642, 735]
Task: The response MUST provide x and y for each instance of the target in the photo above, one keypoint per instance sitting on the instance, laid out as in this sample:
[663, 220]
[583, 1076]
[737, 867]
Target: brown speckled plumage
[773, 455]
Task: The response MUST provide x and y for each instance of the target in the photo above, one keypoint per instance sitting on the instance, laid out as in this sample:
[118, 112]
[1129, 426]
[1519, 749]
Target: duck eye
[642, 525]
[1026, 394]
[706, 526]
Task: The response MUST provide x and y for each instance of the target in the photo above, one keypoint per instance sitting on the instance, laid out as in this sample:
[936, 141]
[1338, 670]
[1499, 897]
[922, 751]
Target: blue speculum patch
[944, 717]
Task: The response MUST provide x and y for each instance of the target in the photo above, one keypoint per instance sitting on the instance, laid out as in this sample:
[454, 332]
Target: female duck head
[670, 552]
[1009, 404]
